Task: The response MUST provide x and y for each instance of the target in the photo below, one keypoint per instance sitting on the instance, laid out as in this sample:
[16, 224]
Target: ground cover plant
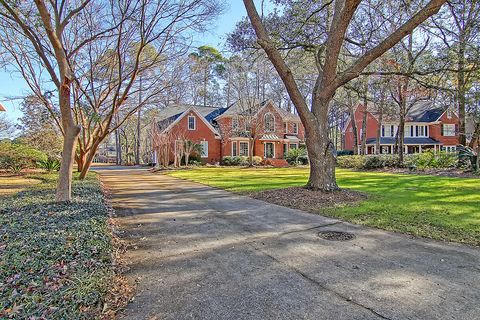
[55, 259]
[443, 208]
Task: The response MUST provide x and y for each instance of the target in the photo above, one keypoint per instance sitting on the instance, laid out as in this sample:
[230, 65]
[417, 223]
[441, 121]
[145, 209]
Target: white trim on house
[190, 117]
[204, 153]
[269, 114]
[453, 111]
[240, 148]
[265, 150]
[186, 112]
[234, 143]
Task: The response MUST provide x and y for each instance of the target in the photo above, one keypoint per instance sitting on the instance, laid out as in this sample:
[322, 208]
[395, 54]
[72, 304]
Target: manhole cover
[336, 235]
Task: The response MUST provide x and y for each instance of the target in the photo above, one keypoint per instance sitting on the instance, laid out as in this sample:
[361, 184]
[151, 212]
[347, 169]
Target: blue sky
[14, 86]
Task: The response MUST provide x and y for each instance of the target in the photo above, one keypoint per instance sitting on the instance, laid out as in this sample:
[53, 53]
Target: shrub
[351, 162]
[240, 160]
[297, 156]
[421, 161]
[16, 157]
[50, 164]
[428, 160]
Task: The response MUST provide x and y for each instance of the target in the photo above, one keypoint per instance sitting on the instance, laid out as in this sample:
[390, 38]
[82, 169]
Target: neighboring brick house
[426, 127]
[264, 128]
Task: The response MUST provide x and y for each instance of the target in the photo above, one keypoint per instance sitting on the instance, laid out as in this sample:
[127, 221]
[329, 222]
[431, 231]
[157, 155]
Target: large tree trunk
[320, 152]
[64, 185]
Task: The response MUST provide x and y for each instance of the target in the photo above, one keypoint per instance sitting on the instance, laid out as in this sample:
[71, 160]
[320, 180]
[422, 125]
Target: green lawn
[429, 206]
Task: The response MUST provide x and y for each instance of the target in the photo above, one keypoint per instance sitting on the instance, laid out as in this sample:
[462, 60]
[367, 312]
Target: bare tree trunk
[363, 146]
[64, 185]
[251, 142]
[475, 136]
[354, 129]
[139, 115]
[478, 157]
[379, 131]
[461, 92]
[400, 137]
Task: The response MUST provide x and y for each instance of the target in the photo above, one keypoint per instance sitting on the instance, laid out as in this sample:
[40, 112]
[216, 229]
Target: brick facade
[220, 135]
[435, 137]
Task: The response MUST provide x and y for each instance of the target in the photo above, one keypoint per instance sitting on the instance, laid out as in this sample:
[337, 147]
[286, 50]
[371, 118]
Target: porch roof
[270, 137]
[407, 141]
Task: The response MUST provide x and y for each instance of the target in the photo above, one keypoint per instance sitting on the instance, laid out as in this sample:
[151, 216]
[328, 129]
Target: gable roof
[177, 117]
[424, 112]
[175, 110]
[243, 105]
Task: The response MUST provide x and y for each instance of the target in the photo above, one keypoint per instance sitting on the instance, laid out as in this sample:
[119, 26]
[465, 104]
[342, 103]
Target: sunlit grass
[430, 206]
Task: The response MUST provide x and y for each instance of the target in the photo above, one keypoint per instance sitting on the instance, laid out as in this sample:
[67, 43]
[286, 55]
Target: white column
[420, 148]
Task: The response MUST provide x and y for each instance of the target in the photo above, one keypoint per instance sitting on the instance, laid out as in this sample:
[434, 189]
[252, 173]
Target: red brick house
[263, 129]
[426, 127]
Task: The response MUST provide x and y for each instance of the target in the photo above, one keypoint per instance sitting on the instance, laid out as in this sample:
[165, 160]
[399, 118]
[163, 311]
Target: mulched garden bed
[307, 199]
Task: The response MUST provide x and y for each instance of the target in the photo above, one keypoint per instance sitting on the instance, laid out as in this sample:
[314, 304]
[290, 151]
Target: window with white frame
[408, 131]
[448, 130]
[421, 131]
[204, 145]
[243, 149]
[269, 120]
[192, 122]
[388, 130]
[295, 128]
[449, 148]
[234, 148]
[293, 146]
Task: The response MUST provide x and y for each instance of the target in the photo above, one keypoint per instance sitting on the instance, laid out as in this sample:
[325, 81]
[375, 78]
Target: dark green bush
[50, 164]
[297, 156]
[240, 161]
[16, 157]
[420, 161]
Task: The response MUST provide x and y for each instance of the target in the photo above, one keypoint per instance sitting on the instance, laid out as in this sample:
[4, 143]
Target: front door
[269, 150]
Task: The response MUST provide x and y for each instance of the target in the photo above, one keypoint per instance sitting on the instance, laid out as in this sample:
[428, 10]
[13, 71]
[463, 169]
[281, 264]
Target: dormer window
[269, 122]
[295, 128]
[192, 123]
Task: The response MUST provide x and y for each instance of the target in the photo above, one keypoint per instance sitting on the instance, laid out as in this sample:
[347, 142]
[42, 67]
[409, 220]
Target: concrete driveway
[204, 253]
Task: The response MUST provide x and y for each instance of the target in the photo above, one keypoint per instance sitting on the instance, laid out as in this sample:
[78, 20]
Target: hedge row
[240, 161]
[419, 161]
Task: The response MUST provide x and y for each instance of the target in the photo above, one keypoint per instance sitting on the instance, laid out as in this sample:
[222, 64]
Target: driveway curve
[203, 253]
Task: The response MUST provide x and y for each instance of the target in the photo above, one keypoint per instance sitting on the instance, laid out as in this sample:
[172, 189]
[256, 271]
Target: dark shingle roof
[391, 141]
